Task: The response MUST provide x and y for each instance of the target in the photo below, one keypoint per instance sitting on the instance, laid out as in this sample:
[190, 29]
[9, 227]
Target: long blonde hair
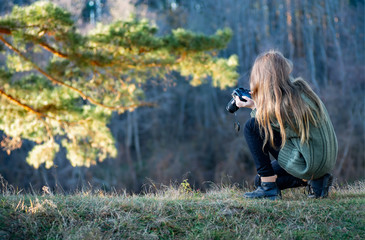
[279, 99]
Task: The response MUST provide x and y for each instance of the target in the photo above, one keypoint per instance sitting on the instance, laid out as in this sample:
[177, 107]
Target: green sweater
[313, 159]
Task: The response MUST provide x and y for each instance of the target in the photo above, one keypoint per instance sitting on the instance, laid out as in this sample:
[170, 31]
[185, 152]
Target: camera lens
[231, 106]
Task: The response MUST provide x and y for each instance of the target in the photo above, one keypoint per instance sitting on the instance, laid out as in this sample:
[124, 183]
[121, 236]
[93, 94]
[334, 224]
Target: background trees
[189, 131]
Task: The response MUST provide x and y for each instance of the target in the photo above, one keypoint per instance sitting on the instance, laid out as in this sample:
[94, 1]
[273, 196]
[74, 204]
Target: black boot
[319, 188]
[284, 182]
[266, 190]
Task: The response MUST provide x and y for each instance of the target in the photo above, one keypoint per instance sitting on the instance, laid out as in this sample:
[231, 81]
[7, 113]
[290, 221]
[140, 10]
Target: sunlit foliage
[60, 87]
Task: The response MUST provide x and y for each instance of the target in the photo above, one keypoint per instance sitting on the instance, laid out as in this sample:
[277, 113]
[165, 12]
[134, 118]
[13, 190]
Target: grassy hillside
[182, 213]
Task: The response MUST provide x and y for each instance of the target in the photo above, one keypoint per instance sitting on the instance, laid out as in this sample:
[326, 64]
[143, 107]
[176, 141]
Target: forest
[179, 64]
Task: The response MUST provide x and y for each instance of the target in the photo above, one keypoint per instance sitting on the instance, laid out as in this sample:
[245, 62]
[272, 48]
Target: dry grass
[179, 212]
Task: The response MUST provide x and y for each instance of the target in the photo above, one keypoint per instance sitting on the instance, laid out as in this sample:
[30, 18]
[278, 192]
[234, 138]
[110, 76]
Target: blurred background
[190, 135]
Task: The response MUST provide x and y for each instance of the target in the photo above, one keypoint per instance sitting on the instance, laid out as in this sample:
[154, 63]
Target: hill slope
[182, 213]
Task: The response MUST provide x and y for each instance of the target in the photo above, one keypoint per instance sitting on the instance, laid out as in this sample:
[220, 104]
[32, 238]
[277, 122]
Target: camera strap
[237, 125]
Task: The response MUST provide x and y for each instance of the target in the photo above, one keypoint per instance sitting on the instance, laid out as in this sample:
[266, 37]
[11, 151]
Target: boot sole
[264, 197]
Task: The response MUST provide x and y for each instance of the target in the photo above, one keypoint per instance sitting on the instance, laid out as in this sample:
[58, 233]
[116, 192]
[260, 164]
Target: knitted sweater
[313, 159]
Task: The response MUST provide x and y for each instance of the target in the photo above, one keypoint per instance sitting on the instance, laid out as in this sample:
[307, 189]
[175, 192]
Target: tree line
[189, 134]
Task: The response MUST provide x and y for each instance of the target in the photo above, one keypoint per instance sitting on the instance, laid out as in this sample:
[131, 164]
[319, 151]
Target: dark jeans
[264, 166]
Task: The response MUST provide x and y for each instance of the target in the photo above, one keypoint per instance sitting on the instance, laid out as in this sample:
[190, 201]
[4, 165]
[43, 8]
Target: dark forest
[187, 133]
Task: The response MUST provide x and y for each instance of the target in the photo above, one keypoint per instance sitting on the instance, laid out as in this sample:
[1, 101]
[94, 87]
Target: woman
[290, 122]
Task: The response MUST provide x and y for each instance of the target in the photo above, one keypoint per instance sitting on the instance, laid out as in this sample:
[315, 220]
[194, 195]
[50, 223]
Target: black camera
[240, 92]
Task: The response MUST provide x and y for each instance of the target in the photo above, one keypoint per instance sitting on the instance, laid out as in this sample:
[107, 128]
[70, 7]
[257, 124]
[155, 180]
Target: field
[179, 212]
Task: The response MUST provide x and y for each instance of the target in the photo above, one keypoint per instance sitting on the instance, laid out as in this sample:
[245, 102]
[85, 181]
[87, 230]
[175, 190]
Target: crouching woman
[290, 122]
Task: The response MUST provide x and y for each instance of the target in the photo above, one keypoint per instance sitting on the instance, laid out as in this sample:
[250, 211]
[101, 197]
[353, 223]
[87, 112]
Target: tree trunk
[238, 33]
[136, 138]
[307, 30]
[290, 15]
[335, 39]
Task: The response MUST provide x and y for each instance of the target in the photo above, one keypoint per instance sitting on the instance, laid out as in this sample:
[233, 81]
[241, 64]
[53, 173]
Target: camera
[240, 92]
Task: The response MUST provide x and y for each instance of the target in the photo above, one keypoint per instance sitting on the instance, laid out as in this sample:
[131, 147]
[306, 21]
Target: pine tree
[60, 87]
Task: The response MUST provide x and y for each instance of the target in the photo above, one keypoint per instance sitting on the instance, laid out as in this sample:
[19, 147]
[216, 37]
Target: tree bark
[307, 29]
[334, 37]
[137, 144]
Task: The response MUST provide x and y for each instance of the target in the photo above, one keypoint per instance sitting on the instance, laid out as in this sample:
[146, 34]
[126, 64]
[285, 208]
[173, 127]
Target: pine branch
[19, 103]
[47, 47]
[30, 109]
[60, 54]
[41, 116]
[51, 49]
[58, 82]
[5, 31]
[37, 112]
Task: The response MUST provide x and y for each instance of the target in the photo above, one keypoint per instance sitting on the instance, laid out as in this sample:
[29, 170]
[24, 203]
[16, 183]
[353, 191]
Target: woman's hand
[248, 104]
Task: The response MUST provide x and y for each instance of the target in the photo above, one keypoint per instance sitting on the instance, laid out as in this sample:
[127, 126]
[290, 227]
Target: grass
[182, 213]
